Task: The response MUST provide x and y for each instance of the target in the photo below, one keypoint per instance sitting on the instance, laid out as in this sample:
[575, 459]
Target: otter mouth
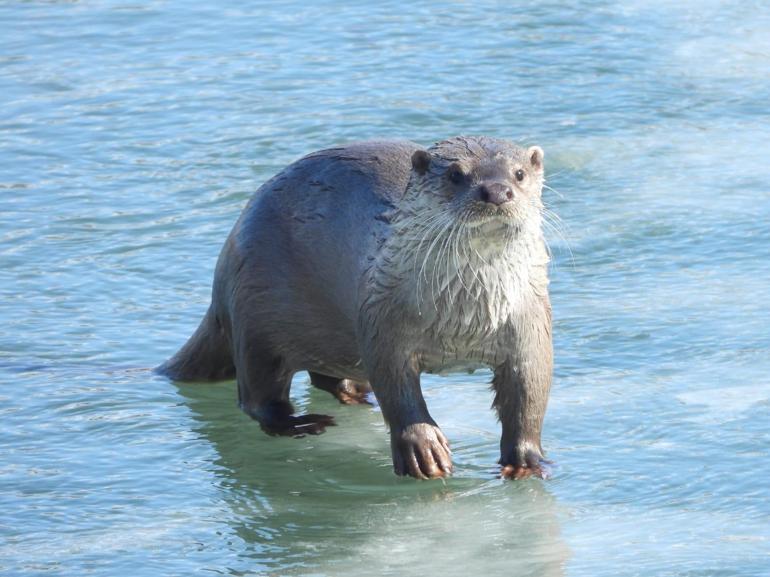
[489, 215]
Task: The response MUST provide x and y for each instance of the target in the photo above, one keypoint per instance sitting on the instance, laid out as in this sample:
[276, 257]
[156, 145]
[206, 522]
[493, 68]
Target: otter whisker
[457, 261]
[468, 257]
[432, 224]
[557, 228]
[478, 254]
[548, 250]
[557, 173]
[451, 256]
[440, 224]
[440, 257]
[482, 278]
[553, 190]
[555, 217]
[550, 227]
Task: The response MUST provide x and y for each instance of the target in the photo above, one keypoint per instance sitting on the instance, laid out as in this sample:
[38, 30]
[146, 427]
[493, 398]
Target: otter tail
[205, 357]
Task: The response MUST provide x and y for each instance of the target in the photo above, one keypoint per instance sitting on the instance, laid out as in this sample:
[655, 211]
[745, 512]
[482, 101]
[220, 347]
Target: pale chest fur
[465, 299]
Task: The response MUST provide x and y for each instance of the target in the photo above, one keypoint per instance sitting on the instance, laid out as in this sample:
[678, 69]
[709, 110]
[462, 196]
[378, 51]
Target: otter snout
[495, 193]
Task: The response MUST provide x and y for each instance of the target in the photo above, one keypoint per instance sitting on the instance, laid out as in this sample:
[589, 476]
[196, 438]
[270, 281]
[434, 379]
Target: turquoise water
[132, 134]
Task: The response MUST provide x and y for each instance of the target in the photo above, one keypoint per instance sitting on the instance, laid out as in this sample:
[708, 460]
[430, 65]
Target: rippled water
[131, 135]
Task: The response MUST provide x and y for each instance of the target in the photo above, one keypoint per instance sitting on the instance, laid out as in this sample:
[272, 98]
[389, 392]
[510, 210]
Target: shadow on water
[331, 504]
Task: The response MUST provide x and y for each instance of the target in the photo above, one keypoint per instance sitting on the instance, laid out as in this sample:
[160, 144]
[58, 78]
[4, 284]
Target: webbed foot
[422, 451]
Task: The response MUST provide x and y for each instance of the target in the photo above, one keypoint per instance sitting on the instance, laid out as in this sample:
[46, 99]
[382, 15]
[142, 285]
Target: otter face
[484, 179]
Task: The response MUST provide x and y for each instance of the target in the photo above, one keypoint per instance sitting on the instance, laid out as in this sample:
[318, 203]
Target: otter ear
[421, 161]
[535, 156]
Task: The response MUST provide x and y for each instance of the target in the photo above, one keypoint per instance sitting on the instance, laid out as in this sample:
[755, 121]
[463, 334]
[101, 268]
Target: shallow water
[131, 135]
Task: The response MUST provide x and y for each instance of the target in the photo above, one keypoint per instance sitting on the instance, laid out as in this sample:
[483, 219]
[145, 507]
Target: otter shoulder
[382, 165]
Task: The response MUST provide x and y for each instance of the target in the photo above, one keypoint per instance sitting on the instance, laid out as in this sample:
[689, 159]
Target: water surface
[132, 134]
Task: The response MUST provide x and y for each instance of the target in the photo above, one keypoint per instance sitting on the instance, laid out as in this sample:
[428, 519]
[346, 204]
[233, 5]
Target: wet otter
[374, 262]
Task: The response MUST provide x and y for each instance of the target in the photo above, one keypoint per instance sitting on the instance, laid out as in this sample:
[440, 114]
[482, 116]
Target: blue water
[132, 134]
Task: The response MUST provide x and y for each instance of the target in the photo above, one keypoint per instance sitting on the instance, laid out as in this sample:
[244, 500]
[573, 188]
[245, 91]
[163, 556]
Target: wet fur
[352, 264]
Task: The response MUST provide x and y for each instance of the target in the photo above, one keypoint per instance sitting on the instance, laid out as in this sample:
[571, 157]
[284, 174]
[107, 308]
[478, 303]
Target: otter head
[484, 182]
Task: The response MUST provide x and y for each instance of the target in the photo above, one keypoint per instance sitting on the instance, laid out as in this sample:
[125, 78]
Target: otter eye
[456, 175]
[519, 175]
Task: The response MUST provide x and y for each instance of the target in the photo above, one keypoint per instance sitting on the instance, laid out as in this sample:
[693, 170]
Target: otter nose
[496, 193]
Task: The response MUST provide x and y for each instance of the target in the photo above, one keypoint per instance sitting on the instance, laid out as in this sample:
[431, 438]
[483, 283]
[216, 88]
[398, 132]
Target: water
[131, 135]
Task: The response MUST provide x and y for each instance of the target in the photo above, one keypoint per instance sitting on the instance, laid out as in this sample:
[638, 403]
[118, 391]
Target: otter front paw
[526, 461]
[422, 451]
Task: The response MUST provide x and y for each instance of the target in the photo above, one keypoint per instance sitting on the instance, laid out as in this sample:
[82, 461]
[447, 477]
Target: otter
[368, 264]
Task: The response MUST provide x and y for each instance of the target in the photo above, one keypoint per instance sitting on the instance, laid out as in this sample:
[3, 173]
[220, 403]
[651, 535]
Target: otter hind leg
[206, 356]
[346, 391]
[276, 418]
[264, 382]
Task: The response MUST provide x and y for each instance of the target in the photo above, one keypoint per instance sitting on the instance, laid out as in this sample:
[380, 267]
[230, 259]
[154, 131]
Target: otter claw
[534, 468]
